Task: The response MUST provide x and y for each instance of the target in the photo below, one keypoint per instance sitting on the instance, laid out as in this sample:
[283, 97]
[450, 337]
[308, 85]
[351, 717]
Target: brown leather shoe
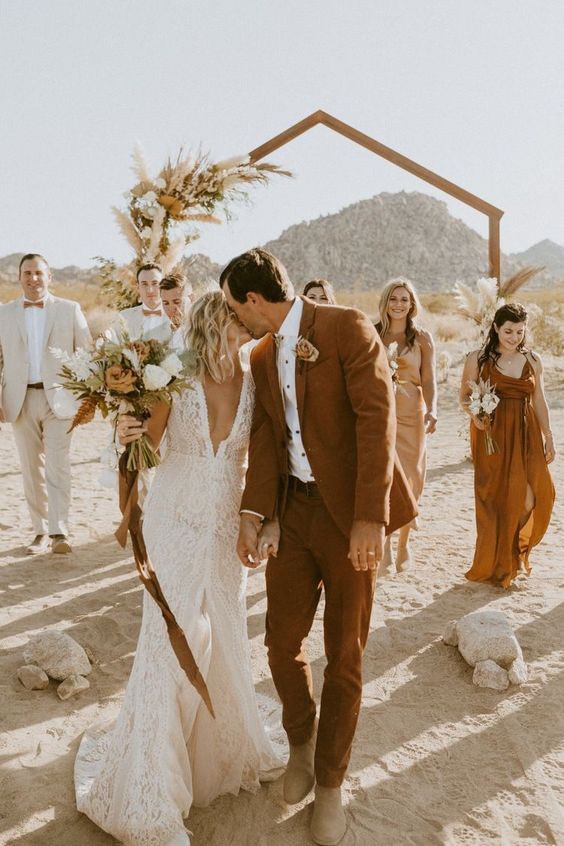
[39, 544]
[60, 545]
[299, 777]
[328, 824]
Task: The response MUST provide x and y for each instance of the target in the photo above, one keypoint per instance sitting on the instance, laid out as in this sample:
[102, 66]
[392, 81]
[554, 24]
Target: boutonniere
[305, 352]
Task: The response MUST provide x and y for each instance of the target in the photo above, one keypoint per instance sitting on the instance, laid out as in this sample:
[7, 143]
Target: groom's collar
[290, 327]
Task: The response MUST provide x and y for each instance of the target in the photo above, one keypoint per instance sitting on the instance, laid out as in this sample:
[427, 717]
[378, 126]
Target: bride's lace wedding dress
[139, 779]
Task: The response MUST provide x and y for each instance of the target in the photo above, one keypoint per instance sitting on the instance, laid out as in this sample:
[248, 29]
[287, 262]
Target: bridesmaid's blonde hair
[209, 319]
[383, 324]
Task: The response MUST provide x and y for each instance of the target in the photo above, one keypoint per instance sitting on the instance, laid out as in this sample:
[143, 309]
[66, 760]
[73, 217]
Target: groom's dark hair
[260, 272]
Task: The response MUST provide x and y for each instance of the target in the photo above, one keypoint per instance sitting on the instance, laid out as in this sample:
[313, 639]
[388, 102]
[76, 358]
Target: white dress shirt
[286, 341]
[177, 340]
[35, 329]
[151, 321]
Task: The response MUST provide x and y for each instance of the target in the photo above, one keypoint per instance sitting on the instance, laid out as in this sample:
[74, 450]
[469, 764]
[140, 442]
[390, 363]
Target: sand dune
[436, 760]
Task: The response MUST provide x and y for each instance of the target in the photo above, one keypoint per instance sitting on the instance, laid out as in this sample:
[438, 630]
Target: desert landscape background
[436, 759]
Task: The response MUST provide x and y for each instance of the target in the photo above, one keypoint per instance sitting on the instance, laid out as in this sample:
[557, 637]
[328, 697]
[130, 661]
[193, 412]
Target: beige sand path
[436, 761]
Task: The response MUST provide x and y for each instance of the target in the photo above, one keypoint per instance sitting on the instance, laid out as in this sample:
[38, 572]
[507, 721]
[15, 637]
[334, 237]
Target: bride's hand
[479, 424]
[129, 429]
[269, 539]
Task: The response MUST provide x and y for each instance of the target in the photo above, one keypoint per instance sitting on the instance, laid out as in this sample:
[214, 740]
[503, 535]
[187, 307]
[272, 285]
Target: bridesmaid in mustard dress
[416, 397]
[513, 487]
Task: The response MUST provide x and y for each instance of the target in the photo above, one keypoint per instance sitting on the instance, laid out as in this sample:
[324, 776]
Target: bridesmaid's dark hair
[512, 312]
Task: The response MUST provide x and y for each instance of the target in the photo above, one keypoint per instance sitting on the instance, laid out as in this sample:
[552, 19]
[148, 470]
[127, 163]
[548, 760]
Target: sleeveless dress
[500, 481]
[139, 778]
[410, 414]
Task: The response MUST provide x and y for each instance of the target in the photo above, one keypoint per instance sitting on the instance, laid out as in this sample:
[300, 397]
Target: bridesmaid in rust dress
[513, 487]
[416, 397]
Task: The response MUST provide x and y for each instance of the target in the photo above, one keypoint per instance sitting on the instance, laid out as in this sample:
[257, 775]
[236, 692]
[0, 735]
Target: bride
[139, 779]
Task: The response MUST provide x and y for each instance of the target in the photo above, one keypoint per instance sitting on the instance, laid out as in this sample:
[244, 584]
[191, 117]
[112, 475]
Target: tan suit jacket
[347, 415]
[65, 328]
[133, 319]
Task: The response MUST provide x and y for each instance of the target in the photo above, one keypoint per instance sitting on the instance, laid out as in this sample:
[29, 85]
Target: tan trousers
[43, 446]
[313, 555]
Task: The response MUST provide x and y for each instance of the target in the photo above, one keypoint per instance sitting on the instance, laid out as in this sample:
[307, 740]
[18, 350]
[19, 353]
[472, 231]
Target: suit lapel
[50, 309]
[20, 320]
[273, 380]
[306, 330]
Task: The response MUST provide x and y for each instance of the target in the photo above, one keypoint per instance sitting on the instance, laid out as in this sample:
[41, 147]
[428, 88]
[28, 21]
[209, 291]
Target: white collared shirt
[35, 329]
[177, 340]
[287, 336]
[151, 321]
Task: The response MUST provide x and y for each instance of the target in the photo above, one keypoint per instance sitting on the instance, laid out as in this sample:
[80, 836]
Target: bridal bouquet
[123, 377]
[483, 403]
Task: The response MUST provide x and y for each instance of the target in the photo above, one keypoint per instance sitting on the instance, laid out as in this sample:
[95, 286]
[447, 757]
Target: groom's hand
[366, 546]
[247, 543]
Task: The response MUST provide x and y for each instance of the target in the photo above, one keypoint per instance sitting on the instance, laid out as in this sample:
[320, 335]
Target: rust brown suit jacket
[347, 414]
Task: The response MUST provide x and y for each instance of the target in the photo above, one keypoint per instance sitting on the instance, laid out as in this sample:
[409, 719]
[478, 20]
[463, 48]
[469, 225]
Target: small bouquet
[392, 353]
[483, 403]
[123, 377]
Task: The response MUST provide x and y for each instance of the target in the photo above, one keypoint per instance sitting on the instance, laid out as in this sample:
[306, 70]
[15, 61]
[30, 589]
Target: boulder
[450, 636]
[32, 677]
[518, 672]
[490, 674]
[487, 635]
[58, 654]
[71, 686]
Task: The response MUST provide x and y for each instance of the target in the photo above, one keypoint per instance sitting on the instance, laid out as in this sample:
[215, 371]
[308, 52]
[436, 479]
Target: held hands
[268, 539]
[129, 429]
[248, 540]
[366, 546]
[430, 423]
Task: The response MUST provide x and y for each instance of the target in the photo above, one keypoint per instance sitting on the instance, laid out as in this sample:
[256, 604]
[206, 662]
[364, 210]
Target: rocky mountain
[546, 253]
[365, 244]
[369, 242]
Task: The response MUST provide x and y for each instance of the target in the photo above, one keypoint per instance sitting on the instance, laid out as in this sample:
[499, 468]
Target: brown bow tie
[29, 304]
[156, 313]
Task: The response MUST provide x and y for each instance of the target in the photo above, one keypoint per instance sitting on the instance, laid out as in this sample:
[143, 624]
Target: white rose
[155, 378]
[160, 183]
[172, 365]
[475, 407]
[150, 197]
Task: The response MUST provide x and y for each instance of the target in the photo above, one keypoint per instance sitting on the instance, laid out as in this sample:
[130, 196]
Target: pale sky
[472, 89]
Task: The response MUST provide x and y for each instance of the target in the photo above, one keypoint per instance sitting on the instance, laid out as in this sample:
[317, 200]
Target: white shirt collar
[291, 326]
[46, 299]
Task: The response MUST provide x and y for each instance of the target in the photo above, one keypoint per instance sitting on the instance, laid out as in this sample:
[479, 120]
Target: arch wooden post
[493, 213]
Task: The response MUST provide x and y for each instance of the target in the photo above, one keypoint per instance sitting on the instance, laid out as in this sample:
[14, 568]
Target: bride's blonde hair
[209, 319]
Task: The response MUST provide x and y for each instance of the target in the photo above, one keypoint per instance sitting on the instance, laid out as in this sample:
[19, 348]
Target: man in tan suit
[322, 460]
[149, 319]
[32, 400]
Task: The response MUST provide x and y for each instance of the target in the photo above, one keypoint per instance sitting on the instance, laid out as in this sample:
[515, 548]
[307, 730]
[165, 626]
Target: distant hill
[546, 253]
[365, 244]
[369, 242]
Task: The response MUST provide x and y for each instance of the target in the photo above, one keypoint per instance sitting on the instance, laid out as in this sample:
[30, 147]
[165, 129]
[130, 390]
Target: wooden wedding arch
[494, 214]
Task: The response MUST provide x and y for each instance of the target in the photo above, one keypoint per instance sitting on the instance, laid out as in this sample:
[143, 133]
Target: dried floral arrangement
[164, 212]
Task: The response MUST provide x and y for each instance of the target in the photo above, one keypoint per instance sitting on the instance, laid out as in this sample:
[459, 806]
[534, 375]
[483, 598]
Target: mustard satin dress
[500, 481]
[410, 413]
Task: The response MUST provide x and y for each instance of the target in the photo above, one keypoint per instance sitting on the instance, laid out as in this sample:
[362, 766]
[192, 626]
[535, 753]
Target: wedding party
[280, 512]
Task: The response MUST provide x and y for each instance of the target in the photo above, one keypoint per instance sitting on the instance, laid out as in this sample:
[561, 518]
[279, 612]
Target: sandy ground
[436, 760]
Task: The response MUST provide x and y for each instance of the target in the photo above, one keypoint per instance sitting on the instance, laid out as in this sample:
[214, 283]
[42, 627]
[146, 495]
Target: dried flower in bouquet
[482, 404]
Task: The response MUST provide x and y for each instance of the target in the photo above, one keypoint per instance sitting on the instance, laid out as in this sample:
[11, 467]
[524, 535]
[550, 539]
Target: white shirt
[35, 329]
[151, 321]
[177, 340]
[287, 339]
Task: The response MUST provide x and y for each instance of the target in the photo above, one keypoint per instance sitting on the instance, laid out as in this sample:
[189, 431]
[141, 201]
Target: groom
[322, 456]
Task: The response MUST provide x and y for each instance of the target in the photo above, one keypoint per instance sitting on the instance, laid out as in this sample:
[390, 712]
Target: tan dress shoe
[328, 824]
[39, 544]
[299, 777]
[60, 545]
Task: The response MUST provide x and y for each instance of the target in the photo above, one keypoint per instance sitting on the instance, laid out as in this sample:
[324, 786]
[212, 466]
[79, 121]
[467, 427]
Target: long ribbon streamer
[131, 521]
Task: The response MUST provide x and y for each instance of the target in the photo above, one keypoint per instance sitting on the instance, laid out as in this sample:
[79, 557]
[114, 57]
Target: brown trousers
[313, 554]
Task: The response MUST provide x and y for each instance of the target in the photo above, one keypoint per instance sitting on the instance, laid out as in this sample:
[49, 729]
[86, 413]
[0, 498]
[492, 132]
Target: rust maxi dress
[500, 481]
